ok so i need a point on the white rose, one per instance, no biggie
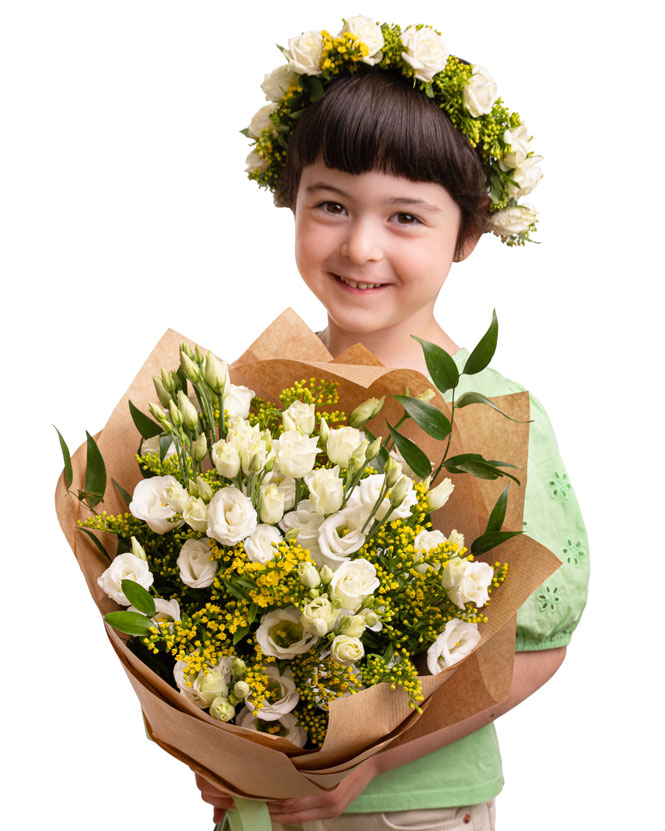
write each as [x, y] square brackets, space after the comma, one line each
[226, 459]
[518, 141]
[319, 616]
[261, 120]
[281, 634]
[302, 415]
[352, 625]
[454, 643]
[150, 504]
[296, 453]
[278, 81]
[369, 33]
[353, 582]
[527, 176]
[466, 581]
[207, 685]
[259, 544]
[195, 513]
[255, 162]
[231, 516]
[288, 727]
[237, 400]
[340, 535]
[341, 444]
[304, 53]
[346, 650]
[512, 220]
[480, 93]
[197, 570]
[222, 709]
[326, 489]
[285, 689]
[425, 51]
[309, 522]
[272, 504]
[125, 567]
[423, 544]
[151, 445]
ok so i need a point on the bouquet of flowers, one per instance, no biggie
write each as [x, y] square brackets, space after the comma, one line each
[292, 556]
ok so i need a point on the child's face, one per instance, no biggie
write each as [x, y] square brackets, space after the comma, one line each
[368, 229]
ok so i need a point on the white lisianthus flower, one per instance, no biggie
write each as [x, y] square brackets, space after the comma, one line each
[353, 581]
[259, 544]
[340, 535]
[341, 444]
[304, 53]
[165, 610]
[438, 496]
[287, 487]
[125, 567]
[284, 687]
[281, 634]
[368, 32]
[326, 489]
[480, 93]
[151, 445]
[308, 522]
[261, 120]
[197, 570]
[296, 453]
[255, 162]
[277, 82]
[209, 684]
[195, 513]
[346, 650]
[518, 140]
[302, 415]
[150, 504]
[367, 492]
[222, 709]
[319, 616]
[527, 176]
[237, 400]
[272, 504]
[423, 544]
[425, 51]
[249, 443]
[512, 220]
[231, 516]
[352, 625]
[308, 575]
[467, 582]
[226, 459]
[288, 727]
[456, 641]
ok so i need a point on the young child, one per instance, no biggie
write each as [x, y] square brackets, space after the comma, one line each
[387, 191]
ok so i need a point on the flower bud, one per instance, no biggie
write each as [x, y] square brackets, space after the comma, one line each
[352, 625]
[199, 448]
[309, 576]
[190, 369]
[371, 618]
[137, 549]
[241, 689]
[255, 463]
[324, 431]
[374, 449]
[269, 465]
[157, 412]
[288, 422]
[392, 470]
[292, 534]
[358, 456]
[189, 415]
[175, 414]
[399, 491]
[222, 709]
[326, 574]
[205, 491]
[426, 396]
[160, 389]
[366, 411]
[167, 381]
[238, 667]
[192, 488]
[215, 373]
[439, 495]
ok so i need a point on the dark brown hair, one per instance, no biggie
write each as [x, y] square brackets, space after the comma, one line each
[375, 120]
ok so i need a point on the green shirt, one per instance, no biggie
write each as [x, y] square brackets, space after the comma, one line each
[469, 771]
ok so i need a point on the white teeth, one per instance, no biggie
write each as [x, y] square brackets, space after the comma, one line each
[362, 286]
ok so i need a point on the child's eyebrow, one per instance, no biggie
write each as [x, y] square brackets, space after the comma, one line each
[395, 200]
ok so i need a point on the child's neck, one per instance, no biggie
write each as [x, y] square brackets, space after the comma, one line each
[393, 346]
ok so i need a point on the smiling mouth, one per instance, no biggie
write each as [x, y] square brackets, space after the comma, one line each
[362, 286]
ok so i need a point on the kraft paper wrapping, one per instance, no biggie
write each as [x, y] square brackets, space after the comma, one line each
[251, 764]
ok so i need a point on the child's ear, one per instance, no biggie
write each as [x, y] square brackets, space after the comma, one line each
[470, 242]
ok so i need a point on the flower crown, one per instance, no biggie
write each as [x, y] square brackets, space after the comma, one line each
[466, 93]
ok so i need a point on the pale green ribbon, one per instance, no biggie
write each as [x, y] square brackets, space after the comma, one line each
[249, 815]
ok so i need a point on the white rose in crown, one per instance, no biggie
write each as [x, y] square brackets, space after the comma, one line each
[197, 570]
[125, 566]
[341, 444]
[281, 634]
[480, 93]
[231, 516]
[518, 140]
[326, 489]
[255, 162]
[261, 120]
[295, 453]
[209, 684]
[237, 400]
[308, 522]
[301, 415]
[288, 727]
[340, 535]
[467, 582]
[287, 692]
[353, 581]
[424, 542]
[368, 32]
[346, 650]
[304, 53]
[276, 83]
[259, 544]
[149, 503]
[527, 176]
[456, 641]
[425, 51]
[512, 220]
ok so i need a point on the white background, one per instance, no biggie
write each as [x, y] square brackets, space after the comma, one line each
[125, 210]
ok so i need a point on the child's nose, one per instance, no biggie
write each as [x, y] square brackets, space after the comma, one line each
[361, 244]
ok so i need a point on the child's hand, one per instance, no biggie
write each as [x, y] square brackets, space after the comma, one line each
[220, 800]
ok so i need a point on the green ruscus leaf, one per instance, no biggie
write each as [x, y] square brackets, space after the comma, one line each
[486, 542]
[427, 417]
[126, 497]
[484, 350]
[469, 398]
[498, 514]
[442, 368]
[146, 426]
[95, 473]
[69, 474]
[411, 453]
[131, 623]
[139, 597]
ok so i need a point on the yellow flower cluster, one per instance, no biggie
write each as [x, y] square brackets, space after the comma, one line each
[341, 52]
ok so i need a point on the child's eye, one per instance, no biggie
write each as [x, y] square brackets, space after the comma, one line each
[331, 207]
[407, 219]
